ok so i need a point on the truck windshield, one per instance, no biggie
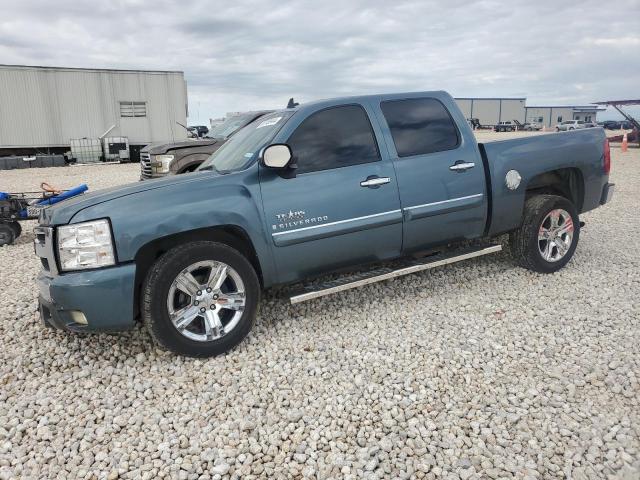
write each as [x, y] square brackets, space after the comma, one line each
[243, 147]
[229, 126]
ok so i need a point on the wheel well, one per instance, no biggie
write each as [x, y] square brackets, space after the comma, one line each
[190, 168]
[230, 235]
[565, 182]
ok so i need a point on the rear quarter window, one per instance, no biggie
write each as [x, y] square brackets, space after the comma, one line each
[420, 126]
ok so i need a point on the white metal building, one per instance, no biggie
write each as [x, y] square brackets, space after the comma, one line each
[44, 107]
[550, 116]
[490, 111]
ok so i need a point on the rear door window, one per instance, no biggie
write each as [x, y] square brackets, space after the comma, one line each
[420, 126]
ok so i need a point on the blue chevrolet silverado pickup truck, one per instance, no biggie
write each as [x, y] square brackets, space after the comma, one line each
[392, 184]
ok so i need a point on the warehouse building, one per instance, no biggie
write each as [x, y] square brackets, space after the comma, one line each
[550, 116]
[47, 108]
[491, 111]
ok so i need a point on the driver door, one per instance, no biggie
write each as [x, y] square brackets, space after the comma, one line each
[342, 206]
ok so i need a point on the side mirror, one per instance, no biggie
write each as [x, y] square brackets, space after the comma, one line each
[277, 156]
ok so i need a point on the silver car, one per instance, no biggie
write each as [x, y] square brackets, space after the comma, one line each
[570, 125]
[533, 126]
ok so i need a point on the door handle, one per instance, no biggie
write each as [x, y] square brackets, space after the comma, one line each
[461, 166]
[373, 182]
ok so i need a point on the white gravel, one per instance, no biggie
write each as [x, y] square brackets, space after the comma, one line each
[479, 370]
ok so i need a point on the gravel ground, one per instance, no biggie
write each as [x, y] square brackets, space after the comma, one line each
[478, 370]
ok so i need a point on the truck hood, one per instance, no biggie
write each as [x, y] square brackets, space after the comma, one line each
[160, 148]
[64, 211]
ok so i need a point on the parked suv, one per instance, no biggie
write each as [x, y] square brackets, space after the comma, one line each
[570, 125]
[157, 161]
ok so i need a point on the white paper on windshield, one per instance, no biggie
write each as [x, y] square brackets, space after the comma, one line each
[269, 122]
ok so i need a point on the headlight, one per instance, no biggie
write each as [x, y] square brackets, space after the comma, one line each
[162, 163]
[85, 245]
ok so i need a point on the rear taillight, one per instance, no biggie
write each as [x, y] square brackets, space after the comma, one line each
[606, 158]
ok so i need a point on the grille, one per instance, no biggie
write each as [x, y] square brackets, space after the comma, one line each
[43, 245]
[145, 165]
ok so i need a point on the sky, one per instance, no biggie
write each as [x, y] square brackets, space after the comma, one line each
[239, 56]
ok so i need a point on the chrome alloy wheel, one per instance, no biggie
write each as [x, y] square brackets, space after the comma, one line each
[206, 300]
[555, 235]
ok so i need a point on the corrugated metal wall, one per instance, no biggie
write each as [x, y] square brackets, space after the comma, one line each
[551, 116]
[512, 109]
[487, 111]
[42, 107]
[491, 111]
[465, 105]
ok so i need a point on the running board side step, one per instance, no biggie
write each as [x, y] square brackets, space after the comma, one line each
[385, 273]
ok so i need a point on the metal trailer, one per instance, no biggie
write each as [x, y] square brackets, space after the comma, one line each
[617, 104]
[16, 207]
[43, 108]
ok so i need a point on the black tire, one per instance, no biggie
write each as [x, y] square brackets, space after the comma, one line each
[17, 229]
[524, 241]
[7, 234]
[156, 290]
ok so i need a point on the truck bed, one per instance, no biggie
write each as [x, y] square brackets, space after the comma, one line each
[579, 151]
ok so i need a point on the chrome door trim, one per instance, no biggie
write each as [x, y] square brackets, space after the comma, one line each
[334, 229]
[338, 222]
[444, 201]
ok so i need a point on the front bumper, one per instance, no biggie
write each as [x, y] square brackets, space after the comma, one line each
[607, 193]
[105, 297]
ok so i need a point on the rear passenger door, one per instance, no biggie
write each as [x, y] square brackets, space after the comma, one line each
[341, 207]
[440, 173]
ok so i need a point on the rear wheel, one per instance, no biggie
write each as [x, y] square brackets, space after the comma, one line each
[7, 234]
[200, 299]
[549, 234]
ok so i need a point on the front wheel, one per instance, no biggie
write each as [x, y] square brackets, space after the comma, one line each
[200, 299]
[548, 236]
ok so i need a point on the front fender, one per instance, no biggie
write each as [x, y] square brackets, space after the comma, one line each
[180, 164]
[211, 200]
